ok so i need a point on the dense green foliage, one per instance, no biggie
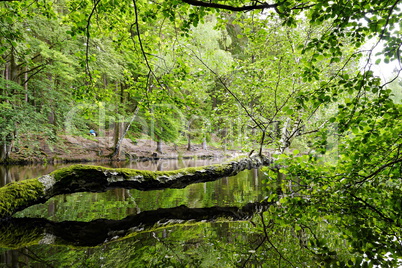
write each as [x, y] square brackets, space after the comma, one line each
[190, 67]
[286, 75]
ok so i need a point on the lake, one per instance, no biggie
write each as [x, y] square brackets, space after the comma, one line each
[151, 248]
[252, 219]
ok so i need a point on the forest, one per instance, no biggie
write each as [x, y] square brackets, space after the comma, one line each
[310, 88]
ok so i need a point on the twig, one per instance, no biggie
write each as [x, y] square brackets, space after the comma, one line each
[88, 36]
[144, 54]
[372, 208]
[258, 124]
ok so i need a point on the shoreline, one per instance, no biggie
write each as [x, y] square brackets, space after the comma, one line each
[76, 149]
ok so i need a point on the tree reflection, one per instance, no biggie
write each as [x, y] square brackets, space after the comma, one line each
[256, 235]
[296, 227]
[19, 232]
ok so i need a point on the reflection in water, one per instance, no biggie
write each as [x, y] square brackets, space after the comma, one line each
[21, 232]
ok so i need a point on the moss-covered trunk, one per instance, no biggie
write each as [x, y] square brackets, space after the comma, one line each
[81, 178]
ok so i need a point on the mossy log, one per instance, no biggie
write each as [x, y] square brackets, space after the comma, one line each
[83, 178]
[22, 232]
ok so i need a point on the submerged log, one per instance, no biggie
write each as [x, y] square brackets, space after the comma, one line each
[82, 178]
[21, 232]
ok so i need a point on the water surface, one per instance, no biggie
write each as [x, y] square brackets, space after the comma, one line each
[248, 220]
[143, 249]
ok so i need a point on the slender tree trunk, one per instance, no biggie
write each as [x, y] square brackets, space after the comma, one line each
[13, 68]
[204, 144]
[5, 148]
[159, 146]
[6, 143]
[3, 151]
[189, 142]
[118, 137]
[118, 142]
[26, 84]
[3, 144]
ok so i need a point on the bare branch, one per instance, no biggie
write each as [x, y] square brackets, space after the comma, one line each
[258, 124]
[142, 46]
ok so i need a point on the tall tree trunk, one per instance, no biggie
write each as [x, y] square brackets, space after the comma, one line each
[13, 68]
[188, 139]
[159, 146]
[26, 84]
[189, 142]
[117, 143]
[5, 148]
[204, 144]
[6, 142]
[118, 137]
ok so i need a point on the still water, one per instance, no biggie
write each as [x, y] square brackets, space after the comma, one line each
[226, 223]
[209, 238]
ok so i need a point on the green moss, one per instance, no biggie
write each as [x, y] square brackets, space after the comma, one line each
[67, 171]
[127, 173]
[19, 195]
[12, 237]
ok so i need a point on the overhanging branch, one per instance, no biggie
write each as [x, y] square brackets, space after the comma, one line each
[257, 5]
[231, 8]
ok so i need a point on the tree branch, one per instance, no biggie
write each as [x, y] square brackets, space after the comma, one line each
[387, 219]
[88, 35]
[379, 170]
[243, 106]
[228, 7]
[256, 6]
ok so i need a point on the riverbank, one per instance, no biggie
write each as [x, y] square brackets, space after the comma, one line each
[76, 149]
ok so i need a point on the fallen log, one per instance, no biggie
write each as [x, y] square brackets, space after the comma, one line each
[22, 232]
[83, 178]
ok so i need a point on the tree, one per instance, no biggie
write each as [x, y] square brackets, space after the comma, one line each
[36, 68]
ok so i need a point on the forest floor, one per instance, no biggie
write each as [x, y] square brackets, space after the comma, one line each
[98, 149]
